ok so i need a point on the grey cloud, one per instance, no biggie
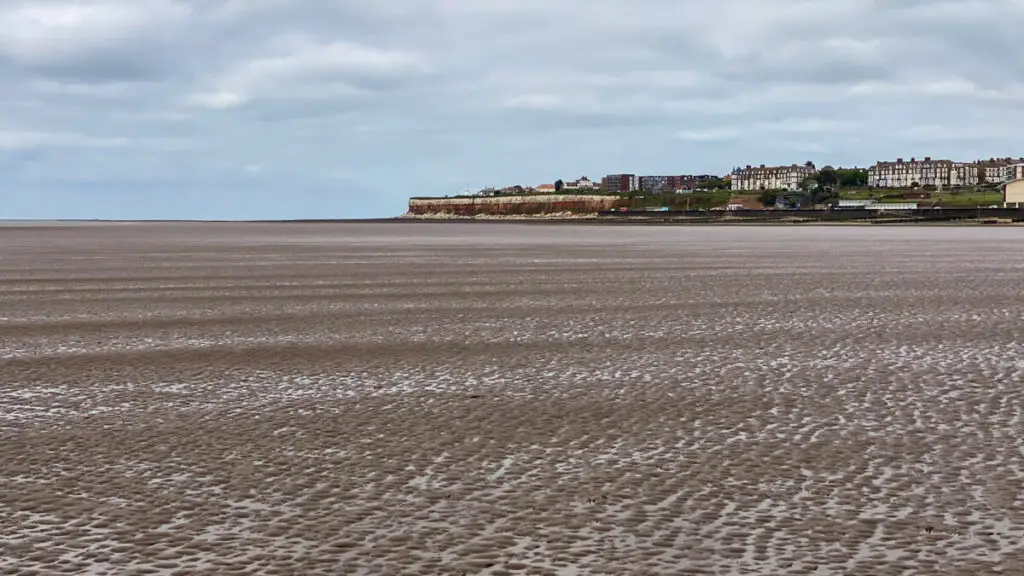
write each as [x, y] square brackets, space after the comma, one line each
[298, 111]
[421, 94]
[91, 41]
[114, 66]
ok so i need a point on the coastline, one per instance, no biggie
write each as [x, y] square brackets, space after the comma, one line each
[761, 218]
[950, 218]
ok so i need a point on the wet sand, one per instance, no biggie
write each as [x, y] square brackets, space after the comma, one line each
[504, 399]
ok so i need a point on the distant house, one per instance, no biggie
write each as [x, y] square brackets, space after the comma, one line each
[672, 184]
[854, 204]
[874, 205]
[583, 183]
[927, 172]
[793, 200]
[771, 177]
[546, 188]
[744, 203]
[1013, 194]
[879, 206]
[619, 183]
[995, 170]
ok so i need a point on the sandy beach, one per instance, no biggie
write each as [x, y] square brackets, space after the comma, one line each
[505, 399]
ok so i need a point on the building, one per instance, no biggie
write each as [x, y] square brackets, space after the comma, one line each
[619, 183]
[927, 172]
[583, 183]
[771, 177]
[672, 184]
[695, 182]
[1013, 194]
[743, 203]
[853, 204]
[1015, 172]
[992, 170]
[654, 184]
[995, 170]
[874, 205]
[887, 206]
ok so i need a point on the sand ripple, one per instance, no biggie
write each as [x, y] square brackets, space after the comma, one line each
[501, 399]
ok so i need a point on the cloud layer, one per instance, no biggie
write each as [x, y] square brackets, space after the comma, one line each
[344, 108]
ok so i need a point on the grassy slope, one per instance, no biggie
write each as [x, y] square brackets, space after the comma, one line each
[707, 200]
[965, 199]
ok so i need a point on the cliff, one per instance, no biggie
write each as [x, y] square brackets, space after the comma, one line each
[513, 205]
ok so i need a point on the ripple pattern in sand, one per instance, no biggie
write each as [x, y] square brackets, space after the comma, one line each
[459, 399]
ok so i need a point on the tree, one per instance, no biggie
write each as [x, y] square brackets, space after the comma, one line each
[827, 177]
[768, 197]
[715, 184]
[823, 195]
[852, 177]
[915, 185]
[559, 185]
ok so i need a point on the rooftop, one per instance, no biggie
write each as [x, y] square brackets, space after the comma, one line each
[999, 162]
[762, 168]
[901, 162]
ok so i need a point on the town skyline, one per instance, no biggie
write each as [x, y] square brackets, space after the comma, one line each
[895, 173]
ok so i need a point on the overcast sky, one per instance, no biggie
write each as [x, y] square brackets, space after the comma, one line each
[344, 108]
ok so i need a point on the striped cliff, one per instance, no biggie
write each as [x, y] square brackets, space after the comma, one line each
[513, 205]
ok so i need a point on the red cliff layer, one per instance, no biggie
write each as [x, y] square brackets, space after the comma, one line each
[513, 205]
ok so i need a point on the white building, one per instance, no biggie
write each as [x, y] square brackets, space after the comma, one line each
[991, 170]
[771, 177]
[854, 204]
[874, 205]
[1013, 194]
[927, 172]
[997, 170]
[885, 207]
[583, 183]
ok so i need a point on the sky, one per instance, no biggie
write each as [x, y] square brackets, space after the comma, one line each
[256, 109]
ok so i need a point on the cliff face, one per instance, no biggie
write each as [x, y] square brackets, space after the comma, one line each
[513, 205]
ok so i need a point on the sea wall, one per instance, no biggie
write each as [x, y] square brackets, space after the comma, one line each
[920, 215]
[513, 205]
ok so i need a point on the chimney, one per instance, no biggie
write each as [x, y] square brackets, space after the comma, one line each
[899, 160]
[912, 159]
[927, 158]
[762, 165]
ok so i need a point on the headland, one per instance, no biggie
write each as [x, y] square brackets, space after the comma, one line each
[738, 209]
